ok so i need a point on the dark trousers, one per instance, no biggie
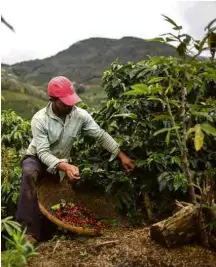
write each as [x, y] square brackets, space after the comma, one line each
[28, 213]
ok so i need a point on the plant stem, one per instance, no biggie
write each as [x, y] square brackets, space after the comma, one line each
[184, 150]
[173, 121]
[182, 144]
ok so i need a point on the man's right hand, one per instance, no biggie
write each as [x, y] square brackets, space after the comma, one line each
[71, 170]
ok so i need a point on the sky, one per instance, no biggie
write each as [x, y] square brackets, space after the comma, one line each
[46, 27]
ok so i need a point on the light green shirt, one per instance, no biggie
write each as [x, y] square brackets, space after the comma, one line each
[53, 139]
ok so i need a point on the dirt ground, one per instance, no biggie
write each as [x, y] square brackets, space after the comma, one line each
[120, 247]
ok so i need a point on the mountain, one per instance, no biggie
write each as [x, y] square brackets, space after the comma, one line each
[24, 84]
[85, 61]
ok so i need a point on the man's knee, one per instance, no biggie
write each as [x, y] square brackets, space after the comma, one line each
[31, 169]
[30, 173]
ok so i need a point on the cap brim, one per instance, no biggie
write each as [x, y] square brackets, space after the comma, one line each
[70, 99]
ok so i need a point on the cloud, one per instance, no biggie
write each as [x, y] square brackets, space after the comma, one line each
[44, 28]
[197, 14]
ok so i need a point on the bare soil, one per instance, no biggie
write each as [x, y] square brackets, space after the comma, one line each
[120, 247]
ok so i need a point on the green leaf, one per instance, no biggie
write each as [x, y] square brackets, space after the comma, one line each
[170, 40]
[176, 160]
[140, 86]
[161, 131]
[187, 39]
[177, 28]
[173, 102]
[8, 228]
[180, 182]
[165, 130]
[154, 98]
[208, 129]
[162, 117]
[197, 47]
[168, 138]
[199, 137]
[181, 49]
[204, 40]
[170, 21]
[191, 130]
[155, 89]
[16, 225]
[130, 115]
[55, 207]
[210, 24]
[138, 89]
[202, 114]
[189, 86]
[140, 163]
[156, 80]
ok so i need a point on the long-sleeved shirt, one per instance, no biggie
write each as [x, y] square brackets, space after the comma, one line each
[53, 139]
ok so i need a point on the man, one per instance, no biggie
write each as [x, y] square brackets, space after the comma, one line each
[54, 129]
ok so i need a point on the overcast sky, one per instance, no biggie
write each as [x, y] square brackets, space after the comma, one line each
[46, 27]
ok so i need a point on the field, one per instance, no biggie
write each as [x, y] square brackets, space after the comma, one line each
[94, 96]
[23, 104]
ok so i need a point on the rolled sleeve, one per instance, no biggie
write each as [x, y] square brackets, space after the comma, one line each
[91, 128]
[43, 146]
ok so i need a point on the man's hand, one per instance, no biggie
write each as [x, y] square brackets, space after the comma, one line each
[71, 170]
[127, 163]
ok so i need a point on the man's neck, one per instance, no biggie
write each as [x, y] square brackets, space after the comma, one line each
[62, 117]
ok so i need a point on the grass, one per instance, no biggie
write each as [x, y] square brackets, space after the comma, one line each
[24, 105]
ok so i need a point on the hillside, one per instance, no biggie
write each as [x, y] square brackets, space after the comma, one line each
[25, 99]
[85, 61]
[24, 105]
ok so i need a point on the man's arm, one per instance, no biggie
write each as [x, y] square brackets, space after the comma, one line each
[91, 128]
[44, 154]
[43, 146]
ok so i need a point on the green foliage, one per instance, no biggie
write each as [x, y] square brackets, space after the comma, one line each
[15, 130]
[9, 225]
[186, 43]
[186, 78]
[10, 178]
[144, 121]
[18, 250]
[15, 138]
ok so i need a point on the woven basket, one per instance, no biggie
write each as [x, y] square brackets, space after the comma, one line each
[50, 192]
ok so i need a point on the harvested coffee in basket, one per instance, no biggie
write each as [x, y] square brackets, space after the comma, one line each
[76, 215]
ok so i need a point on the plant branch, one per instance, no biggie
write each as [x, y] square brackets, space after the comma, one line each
[183, 147]
[173, 121]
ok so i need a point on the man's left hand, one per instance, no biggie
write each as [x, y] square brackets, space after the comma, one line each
[128, 164]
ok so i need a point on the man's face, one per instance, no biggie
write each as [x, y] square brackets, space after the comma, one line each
[61, 108]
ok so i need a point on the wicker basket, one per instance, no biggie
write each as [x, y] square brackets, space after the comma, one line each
[50, 192]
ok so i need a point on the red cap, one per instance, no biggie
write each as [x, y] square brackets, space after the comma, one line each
[62, 88]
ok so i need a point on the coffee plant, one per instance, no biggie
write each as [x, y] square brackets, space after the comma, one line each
[15, 136]
[172, 99]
